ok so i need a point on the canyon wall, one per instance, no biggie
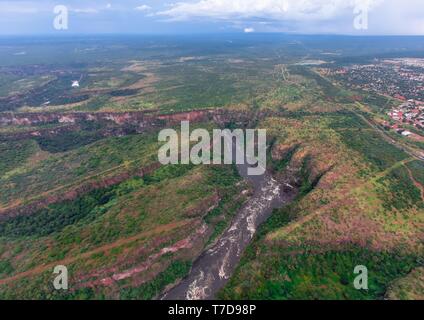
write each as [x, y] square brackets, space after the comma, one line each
[115, 124]
[120, 118]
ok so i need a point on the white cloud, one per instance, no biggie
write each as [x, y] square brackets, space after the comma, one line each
[297, 10]
[143, 7]
[249, 30]
[85, 10]
[399, 17]
[20, 8]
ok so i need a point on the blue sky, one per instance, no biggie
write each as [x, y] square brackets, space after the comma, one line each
[386, 17]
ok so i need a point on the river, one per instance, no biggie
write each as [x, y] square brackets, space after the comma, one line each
[214, 267]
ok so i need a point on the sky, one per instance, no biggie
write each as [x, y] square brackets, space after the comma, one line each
[356, 17]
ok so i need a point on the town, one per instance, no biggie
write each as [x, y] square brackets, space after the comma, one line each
[410, 113]
[401, 79]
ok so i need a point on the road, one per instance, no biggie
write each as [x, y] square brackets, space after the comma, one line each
[410, 151]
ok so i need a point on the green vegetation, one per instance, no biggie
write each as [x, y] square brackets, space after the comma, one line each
[399, 192]
[113, 214]
[58, 216]
[417, 170]
[5, 268]
[67, 141]
[329, 91]
[148, 291]
[92, 205]
[87, 133]
[410, 287]
[365, 140]
[95, 104]
[272, 272]
[14, 154]
[318, 275]
[64, 170]
[280, 165]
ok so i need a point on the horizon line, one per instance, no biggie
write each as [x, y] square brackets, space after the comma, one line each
[202, 33]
